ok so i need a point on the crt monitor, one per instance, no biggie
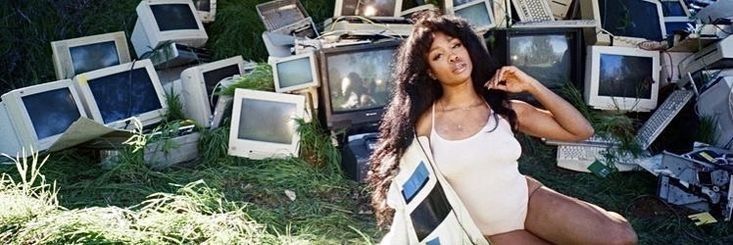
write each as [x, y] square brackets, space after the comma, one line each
[478, 13]
[201, 83]
[356, 83]
[553, 56]
[264, 124]
[114, 95]
[368, 8]
[206, 10]
[295, 72]
[38, 115]
[83, 54]
[622, 78]
[633, 18]
[162, 21]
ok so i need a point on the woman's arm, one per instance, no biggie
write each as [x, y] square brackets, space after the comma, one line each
[561, 121]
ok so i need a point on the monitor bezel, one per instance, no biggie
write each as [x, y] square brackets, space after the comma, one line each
[155, 36]
[196, 99]
[353, 118]
[489, 10]
[502, 47]
[340, 4]
[598, 37]
[62, 63]
[274, 61]
[258, 150]
[22, 120]
[618, 103]
[90, 104]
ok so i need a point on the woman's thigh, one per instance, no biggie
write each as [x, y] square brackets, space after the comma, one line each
[565, 220]
[516, 237]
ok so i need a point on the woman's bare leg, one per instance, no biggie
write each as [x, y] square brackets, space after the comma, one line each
[561, 219]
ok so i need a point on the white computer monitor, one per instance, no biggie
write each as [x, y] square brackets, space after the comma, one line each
[630, 21]
[263, 124]
[295, 72]
[162, 21]
[38, 115]
[206, 10]
[83, 54]
[368, 8]
[478, 13]
[200, 83]
[114, 95]
[621, 78]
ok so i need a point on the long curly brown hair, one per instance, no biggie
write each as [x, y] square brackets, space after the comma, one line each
[415, 92]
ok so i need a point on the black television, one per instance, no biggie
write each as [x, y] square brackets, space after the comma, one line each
[553, 56]
[356, 84]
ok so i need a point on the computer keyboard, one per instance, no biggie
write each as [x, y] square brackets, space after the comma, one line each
[593, 140]
[662, 117]
[579, 157]
[533, 10]
[556, 24]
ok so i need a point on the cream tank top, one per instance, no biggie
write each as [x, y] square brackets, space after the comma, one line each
[484, 172]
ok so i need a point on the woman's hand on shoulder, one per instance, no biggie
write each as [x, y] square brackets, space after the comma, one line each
[511, 79]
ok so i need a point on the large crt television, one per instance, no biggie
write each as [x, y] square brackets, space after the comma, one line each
[356, 83]
[553, 56]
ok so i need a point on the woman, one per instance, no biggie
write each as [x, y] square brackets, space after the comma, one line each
[450, 90]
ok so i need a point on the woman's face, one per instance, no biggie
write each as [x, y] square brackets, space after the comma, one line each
[448, 60]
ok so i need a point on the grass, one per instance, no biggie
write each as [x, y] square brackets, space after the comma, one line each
[221, 199]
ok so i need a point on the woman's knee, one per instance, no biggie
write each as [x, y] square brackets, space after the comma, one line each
[620, 230]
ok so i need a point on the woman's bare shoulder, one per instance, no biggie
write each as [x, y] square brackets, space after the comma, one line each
[424, 124]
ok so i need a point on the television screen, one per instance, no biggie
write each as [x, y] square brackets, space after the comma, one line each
[51, 112]
[171, 17]
[477, 15]
[213, 77]
[360, 80]
[631, 18]
[368, 7]
[268, 121]
[673, 9]
[123, 95]
[294, 72]
[547, 58]
[94, 56]
[625, 76]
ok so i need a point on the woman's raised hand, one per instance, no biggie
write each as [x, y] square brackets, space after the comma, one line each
[511, 79]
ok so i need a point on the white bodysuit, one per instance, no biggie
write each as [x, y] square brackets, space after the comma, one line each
[484, 172]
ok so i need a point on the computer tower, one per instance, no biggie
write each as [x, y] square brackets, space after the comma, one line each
[355, 155]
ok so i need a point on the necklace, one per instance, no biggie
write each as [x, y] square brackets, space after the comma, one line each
[458, 125]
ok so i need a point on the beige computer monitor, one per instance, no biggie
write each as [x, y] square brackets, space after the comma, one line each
[590, 9]
[79, 55]
[153, 27]
[200, 82]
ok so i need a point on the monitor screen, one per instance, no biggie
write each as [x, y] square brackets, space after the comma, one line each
[625, 76]
[268, 121]
[294, 72]
[368, 7]
[547, 58]
[51, 112]
[94, 56]
[631, 18]
[673, 9]
[123, 95]
[457, 3]
[171, 17]
[360, 80]
[212, 77]
[203, 5]
[477, 15]
[677, 26]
